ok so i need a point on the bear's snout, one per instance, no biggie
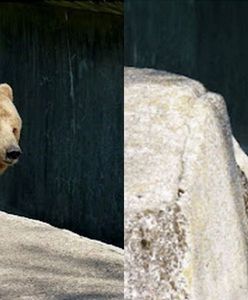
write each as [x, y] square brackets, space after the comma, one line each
[13, 153]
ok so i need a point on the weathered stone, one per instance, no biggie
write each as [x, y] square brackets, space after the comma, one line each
[242, 163]
[41, 262]
[185, 221]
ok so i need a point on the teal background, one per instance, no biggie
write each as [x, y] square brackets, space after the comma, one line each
[66, 70]
[205, 40]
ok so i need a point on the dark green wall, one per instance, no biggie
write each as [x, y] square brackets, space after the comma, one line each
[206, 40]
[66, 69]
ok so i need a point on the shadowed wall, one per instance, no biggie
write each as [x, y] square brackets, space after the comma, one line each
[66, 69]
[205, 40]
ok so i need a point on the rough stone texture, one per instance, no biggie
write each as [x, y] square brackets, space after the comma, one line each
[185, 221]
[242, 163]
[38, 261]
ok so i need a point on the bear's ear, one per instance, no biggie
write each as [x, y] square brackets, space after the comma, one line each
[6, 90]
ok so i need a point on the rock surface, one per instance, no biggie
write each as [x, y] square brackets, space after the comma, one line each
[185, 221]
[38, 261]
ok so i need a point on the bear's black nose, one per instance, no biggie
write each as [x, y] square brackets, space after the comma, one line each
[13, 152]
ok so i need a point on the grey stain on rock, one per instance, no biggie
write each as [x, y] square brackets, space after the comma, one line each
[145, 244]
[180, 192]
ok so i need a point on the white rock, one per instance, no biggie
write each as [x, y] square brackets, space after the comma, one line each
[185, 221]
[38, 261]
[242, 162]
[241, 157]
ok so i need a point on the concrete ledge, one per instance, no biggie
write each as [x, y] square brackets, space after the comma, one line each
[39, 261]
[185, 220]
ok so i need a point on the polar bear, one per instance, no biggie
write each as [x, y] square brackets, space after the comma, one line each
[10, 129]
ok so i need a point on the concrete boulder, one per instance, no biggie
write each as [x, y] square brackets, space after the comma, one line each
[41, 262]
[185, 217]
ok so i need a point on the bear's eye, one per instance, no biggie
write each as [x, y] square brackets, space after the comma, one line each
[15, 130]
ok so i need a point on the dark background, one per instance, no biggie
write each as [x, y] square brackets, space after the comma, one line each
[205, 40]
[66, 69]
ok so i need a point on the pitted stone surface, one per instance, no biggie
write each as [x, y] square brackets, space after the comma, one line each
[157, 244]
[185, 221]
